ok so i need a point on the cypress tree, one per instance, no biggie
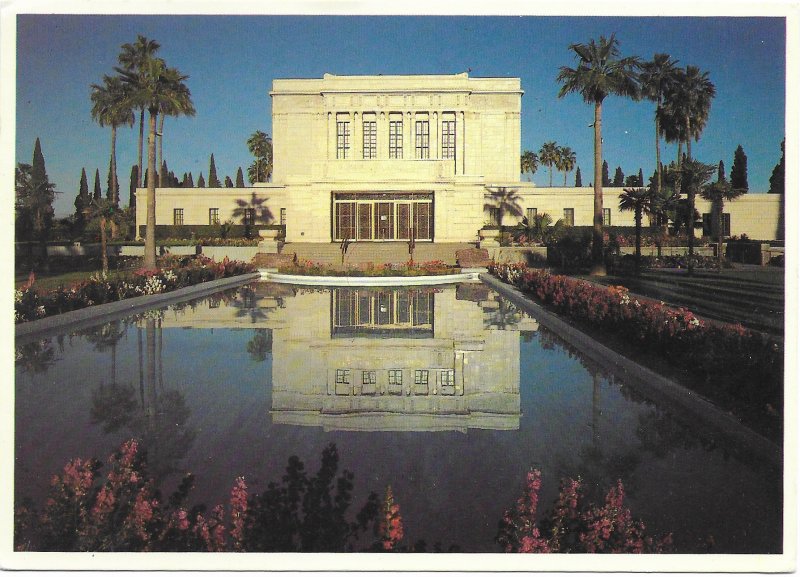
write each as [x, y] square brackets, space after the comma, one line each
[641, 178]
[578, 182]
[98, 193]
[739, 170]
[777, 181]
[201, 183]
[38, 170]
[165, 173]
[132, 187]
[632, 181]
[228, 182]
[82, 200]
[721, 172]
[190, 181]
[239, 178]
[619, 177]
[213, 180]
[606, 181]
[110, 192]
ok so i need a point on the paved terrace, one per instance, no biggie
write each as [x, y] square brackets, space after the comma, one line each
[374, 252]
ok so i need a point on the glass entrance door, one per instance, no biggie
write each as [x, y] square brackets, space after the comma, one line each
[364, 221]
[384, 220]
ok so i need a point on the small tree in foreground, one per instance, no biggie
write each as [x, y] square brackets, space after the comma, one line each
[638, 201]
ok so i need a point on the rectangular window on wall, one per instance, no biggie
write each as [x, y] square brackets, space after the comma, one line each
[421, 139]
[249, 216]
[448, 139]
[370, 139]
[177, 216]
[342, 139]
[569, 216]
[283, 217]
[213, 216]
[396, 138]
[606, 217]
[530, 214]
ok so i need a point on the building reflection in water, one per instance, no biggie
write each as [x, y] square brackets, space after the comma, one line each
[384, 359]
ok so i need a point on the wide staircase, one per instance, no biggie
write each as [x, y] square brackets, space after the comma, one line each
[376, 252]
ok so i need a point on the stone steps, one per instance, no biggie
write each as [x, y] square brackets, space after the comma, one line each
[377, 253]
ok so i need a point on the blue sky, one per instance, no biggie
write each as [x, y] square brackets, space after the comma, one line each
[231, 61]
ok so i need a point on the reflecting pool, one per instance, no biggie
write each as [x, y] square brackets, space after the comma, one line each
[448, 394]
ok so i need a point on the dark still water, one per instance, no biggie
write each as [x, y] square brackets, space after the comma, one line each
[449, 395]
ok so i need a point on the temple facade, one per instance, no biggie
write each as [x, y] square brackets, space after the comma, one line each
[388, 158]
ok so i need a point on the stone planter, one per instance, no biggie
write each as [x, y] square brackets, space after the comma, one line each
[489, 237]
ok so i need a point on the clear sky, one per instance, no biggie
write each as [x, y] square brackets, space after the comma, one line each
[232, 60]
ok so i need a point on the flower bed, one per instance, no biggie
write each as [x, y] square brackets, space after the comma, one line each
[173, 273]
[410, 268]
[726, 360]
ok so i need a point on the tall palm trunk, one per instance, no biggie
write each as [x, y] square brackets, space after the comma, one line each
[141, 145]
[598, 264]
[114, 183]
[658, 149]
[690, 200]
[720, 232]
[161, 151]
[103, 246]
[637, 216]
[150, 233]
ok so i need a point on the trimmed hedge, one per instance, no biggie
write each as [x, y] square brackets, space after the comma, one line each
[185, 231]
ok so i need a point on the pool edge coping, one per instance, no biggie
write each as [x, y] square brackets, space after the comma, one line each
[96, 314]
[308, 280]
[648, 379]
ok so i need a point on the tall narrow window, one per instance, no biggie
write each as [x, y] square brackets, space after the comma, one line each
[569, 216]
[342, 139]
[606, 217]
[449, 139]
[530, 214]
[395, 139]
[283, 217]
[249, 216]
[421, 139]
[370, 139]
[177, 216]
[213, 216]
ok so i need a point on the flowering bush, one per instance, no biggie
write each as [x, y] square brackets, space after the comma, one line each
[743, 365]
[410, 268]
[124, 512]
[573, 525]
[173, 273]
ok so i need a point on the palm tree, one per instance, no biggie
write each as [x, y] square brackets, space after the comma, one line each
[718, 193]
[566, 161]
[104, 210]
[504, 201]
[687, 103]
[638, 201]
[155, 87]
[600, 72]
[181, 106]
[693, 177]
[656, 77]
[529, 162]
[548, 155]
[260, 146]
[111, 107]
[134, 58]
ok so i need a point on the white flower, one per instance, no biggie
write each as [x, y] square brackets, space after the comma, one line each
[153, 285]
[40, 311]
[695, 322]
[169, 275]
[17, 296]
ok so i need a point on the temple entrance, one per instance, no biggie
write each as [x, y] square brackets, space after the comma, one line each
[382, 216]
